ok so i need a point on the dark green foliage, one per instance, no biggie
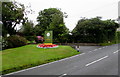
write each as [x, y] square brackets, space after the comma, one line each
[12, 14]
[28, 30]
[30, 38]
[15, 41]
[118, 36]
[116, 40]
[52, 19]
[4, 43]
[94, 30]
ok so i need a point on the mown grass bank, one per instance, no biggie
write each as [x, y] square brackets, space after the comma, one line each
[15, 59]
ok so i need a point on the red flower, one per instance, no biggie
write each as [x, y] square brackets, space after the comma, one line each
[47, 46]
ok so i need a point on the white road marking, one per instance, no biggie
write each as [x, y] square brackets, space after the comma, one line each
[43, 64]
[82, 54]
[62, 75]
[90, 51]
[73, 56]
[116, 51]
[103, 47]
[95, 50]
[96, 61]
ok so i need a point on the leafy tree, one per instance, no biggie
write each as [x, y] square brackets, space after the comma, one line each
[52, 19]
[94, 30]
[12, 14]
[28, 30]
[110, 26]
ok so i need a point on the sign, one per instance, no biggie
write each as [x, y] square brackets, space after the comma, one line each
[48, 37]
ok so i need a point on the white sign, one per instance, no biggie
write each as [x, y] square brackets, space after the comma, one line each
[48, 34]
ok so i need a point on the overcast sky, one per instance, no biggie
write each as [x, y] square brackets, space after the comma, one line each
[75, 9]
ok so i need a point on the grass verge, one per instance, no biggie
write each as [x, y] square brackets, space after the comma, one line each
[15, 59]
[111, 43]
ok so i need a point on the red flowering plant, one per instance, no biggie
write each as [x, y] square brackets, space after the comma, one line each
[47, 46]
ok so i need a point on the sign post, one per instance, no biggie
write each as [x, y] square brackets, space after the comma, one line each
[48, 37]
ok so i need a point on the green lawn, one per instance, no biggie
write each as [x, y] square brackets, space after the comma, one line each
[28, 56]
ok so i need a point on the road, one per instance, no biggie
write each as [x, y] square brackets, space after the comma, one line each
[94, 60]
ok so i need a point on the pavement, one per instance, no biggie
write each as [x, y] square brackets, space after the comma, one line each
[94, 60]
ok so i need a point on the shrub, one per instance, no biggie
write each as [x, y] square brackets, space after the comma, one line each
[30, 38]
[39, 39]
[4, 43]
[118, 36]
[16, 41]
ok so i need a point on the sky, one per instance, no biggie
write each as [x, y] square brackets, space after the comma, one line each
[75, 9]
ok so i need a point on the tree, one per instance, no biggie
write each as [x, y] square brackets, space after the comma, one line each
[28, 30]
[12, 14]
[52, 19]
[94, 30]
[110, 26]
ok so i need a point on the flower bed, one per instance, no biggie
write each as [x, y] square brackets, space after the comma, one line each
[47, 46]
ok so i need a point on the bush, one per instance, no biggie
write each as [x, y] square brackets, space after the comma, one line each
[118, 36]
[16, 41]
[39, 40]
[4, 43]
[30, 38]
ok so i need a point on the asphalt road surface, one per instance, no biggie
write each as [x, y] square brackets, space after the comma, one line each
[94, 60]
